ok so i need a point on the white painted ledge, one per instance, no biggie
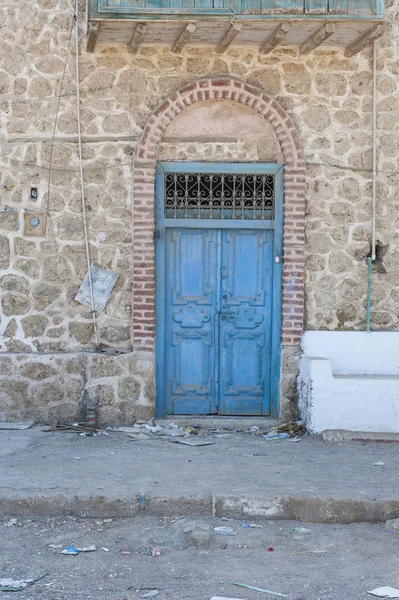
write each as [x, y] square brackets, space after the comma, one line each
[350, 380]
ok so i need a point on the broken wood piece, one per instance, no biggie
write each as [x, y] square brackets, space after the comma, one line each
[232, 31]
[184, 37]
[187, 442]
[364, 40]
[92, 36]
[317, 38]
[275, 38]
[137, 38]
[17, 426]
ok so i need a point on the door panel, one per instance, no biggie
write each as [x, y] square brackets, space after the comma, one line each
[245, 322]
[191, 315]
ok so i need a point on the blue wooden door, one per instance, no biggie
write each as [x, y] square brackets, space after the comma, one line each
[245, 322]
[191, 321]
[218, 271]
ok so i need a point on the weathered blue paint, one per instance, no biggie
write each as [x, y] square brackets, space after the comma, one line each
[245, 9]
[218, 305]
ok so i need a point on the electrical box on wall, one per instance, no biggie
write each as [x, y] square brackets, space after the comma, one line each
[34, 224]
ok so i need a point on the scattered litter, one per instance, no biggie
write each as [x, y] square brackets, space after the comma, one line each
[392, 524]
[151, 594]
[91, 548]
[129, 429]
[186, 442]
[302, 529]
[20, 425]
[274, 435]
[126, 552]
[156, 553]
[224, 531]
[12, 522]
[223, 598]
[138, 436]
[270, 549]
[70, 550]
[289, 430]
[16, 585]
[308, 552]
[55, 546]
[108, 520]
[379, 463]
[254, 429]
[385, 592]
[105, 549]
[79, 428]
[244, 525]
[226, 519]
[256, 589]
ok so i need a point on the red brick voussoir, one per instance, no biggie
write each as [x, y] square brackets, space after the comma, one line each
[266, 107]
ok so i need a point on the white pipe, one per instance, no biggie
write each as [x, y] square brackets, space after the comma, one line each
[82, 191]
[374, 174]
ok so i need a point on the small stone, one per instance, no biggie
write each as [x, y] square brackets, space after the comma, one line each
[116, 333]
[56, 268]
[128, 389]
[37, 371]
[23, 247]
[4, 252]
[392, 524]
[11, 329]
[15, 304]
[30, 267]
[55, 332]
[317, 117]
[5, 365]
[9, 219]
[116, 123]
[267, 79]
[34, 325]
[201, 536]
[52, 66]
[105, 367]
[199, 66]
[82, 332]
[14, 283]
[297, 79]
[45, 294]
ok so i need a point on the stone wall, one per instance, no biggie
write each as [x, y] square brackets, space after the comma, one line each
[328, 97]
[54, 387]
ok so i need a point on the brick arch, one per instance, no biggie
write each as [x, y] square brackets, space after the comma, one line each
[222, 88]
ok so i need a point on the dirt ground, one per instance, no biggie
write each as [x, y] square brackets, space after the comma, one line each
[308, 561]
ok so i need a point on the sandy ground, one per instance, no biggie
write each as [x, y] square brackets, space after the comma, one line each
[316, 561]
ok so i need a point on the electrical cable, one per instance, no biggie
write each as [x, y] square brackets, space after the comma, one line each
[82, 190]
[56, 117]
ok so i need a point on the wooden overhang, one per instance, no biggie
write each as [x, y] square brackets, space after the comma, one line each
[350, 25]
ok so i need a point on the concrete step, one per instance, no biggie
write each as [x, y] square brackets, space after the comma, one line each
[223, 423]
[340, 435]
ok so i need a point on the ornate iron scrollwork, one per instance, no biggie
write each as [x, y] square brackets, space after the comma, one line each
[219, 196]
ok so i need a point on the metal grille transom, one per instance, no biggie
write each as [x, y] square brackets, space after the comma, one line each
[219, 196]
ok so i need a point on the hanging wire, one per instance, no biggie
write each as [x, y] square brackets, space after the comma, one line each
[82, 190]
[56, 115]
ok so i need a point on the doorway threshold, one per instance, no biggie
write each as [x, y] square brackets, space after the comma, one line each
[218, 422]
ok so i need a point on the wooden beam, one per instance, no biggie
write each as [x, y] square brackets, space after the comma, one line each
[92, 36]
[184, 37]
[275, 38]
[137, 38]
[364, 40]
[317, 38]
[232, 31]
